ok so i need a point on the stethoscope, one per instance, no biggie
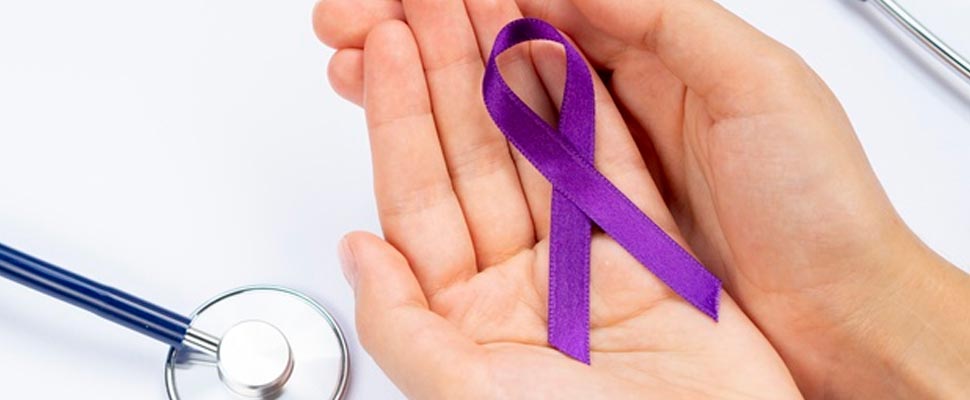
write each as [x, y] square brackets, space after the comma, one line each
[932, 42]
[255, 342]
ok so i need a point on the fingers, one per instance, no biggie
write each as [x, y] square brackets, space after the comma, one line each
[601, 49]
[419, 211]
[488, 17]
[396, 327]
[344, 24]
[346, 74]
[478, 158]
[716, 54]
[639, 81]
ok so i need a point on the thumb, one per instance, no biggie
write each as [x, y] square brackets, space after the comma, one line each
[424, 354]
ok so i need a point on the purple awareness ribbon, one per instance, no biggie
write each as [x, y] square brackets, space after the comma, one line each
[582, 196]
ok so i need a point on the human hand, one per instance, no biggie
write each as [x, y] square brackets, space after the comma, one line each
[764, 175]
[453, 305]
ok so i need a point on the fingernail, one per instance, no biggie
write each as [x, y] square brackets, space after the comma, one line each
[347, 262]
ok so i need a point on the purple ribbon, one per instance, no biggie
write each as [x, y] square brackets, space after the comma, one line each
[583, 196]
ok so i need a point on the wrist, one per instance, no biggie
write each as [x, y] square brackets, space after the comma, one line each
[907, 334]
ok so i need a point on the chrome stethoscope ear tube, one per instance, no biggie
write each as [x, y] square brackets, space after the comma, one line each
[273, 343]
[950, 56]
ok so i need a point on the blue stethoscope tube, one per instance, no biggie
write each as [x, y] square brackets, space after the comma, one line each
[255, 346]
[110, 303]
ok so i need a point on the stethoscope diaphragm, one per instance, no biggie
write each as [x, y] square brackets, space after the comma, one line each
[276, 344]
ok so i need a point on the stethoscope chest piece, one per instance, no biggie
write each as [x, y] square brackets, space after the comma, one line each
[275, 344]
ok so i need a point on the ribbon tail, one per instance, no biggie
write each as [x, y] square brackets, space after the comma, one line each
[569, 246]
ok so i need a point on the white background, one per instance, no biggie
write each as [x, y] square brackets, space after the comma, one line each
[180, 148]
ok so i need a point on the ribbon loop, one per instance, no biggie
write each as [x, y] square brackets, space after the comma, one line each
[583, 196]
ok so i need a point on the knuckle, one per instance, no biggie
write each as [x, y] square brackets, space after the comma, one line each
[417, 200]
[785, 65]
[516, 57]
[479, 159]
[325, 13]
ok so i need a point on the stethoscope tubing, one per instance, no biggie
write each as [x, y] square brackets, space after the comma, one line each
[932, 42]
[107, 302]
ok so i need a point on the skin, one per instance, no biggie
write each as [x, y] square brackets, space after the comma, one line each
[724, 137]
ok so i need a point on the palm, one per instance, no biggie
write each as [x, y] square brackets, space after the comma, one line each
[755, 223]
[644, 339]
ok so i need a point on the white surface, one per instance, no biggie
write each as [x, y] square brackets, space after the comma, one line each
[143, 142]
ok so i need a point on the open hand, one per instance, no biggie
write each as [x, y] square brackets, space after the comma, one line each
[762, 174]
[458, 291]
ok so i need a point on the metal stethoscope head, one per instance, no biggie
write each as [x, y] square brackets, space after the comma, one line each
[255, 342]
[946, 53]
[275, 343]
